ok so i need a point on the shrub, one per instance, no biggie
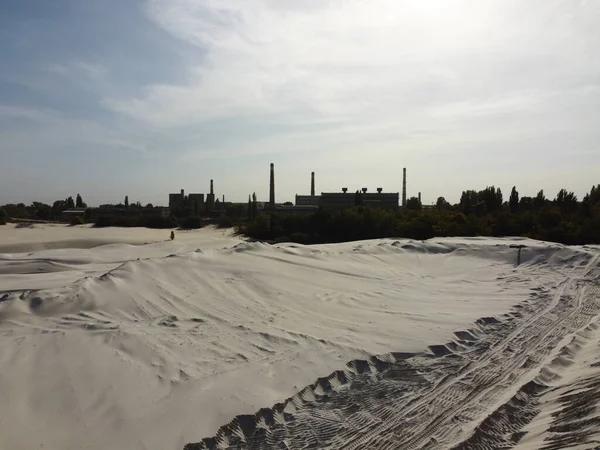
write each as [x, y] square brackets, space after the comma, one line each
[3, 215]
[190, 223]
[77, 221]
[225, 222]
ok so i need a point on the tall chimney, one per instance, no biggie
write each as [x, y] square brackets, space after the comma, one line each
[419, 198]
[212, 191]
[272, 187]
[223, 198]
[182, 192]
[312, 184]
[404, 188]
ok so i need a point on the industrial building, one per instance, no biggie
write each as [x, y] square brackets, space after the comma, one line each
[194, 204]
[341, 200]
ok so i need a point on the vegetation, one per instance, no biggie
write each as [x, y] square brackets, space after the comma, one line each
[136, 220]
[77, 221]
[3, 216]
[564, 219]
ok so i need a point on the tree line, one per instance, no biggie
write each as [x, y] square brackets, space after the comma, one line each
[43, 211]
[564, 219]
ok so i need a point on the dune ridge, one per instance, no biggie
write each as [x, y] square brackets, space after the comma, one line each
[163, 344]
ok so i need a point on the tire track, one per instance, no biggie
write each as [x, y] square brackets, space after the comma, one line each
[477, 391]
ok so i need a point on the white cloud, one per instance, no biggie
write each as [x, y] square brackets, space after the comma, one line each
[357, 60]
[361, 87]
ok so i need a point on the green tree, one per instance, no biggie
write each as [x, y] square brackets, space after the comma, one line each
[249, 207]
[254, 206]
[539, 201]
[70, 203]
[513, 202]
[79, 202]
[413, 203]
[566, 201]
[3, 215]
[41, 210]
[442, 203]
[492, 197]
[468, 202]
[126, 201]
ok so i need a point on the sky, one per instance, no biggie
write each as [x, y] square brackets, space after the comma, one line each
[109, 98]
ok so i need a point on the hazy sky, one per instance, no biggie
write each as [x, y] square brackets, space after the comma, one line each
[113, 97]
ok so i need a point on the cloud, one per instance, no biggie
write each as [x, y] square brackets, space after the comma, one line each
[362, 86]
[29, 114]
[365, 61]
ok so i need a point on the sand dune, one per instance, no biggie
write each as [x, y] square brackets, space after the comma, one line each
[155, 346]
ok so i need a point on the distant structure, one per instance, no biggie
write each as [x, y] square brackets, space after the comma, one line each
[342, 200]
[272, 188]
[192, 204]
[309, 200]
[420, 199]
[196, 204]
[176, 201]
[210, 198]
[404, 187]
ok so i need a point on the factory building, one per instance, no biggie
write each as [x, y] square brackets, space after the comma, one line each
[331, 201]
[193, 204]
[196, 204]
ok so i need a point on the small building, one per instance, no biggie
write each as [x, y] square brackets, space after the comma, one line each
[68, 214]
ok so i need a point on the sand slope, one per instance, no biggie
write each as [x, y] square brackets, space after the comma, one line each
[158, 345]
[529, 378]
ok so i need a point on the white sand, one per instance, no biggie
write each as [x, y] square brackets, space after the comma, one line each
[154, 346]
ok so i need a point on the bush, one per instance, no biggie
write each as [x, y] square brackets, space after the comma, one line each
[3, 215]
[225, 222]
[77, 221]
[191, 223]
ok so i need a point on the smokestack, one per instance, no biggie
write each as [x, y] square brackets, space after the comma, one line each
[379, 190]
[223, 198]
[419, 197]
[404, 188]
[182, 192]
[364, 190]
[212, 191]
[272, 187]
[312, 184]
[344, 190]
